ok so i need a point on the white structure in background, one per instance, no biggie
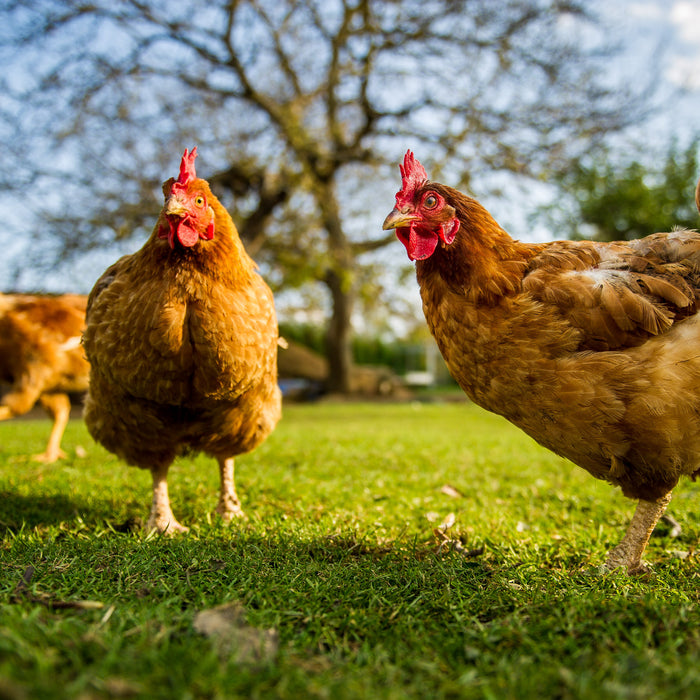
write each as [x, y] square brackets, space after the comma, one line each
[428, 376]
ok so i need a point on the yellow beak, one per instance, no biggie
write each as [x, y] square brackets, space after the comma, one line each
[398, 219]
[174, 206]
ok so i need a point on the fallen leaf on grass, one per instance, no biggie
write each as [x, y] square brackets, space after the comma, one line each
[680, 553]
[225, 625]
[448, 522]
[457, 546]
[447, 543]
[451, 491]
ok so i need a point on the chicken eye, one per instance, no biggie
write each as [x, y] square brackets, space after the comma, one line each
[199, 201]
[430, 202]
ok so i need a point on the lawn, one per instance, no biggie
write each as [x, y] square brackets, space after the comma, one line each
[390, 551]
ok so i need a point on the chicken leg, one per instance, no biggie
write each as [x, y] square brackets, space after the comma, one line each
[58, 407]
[161, 518]
[629, 552]
[229, 506]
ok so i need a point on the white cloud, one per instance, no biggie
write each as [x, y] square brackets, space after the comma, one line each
[684, 68]
[685, 15]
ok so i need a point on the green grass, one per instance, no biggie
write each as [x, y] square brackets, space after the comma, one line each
[339, 557]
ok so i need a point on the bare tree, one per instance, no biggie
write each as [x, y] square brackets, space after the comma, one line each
[299, 106]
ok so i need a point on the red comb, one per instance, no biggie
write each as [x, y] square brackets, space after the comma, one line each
[187, 171]
[413, 173]
[413, 176]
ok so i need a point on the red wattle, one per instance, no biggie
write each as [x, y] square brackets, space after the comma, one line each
[420, 244]
[187, 235]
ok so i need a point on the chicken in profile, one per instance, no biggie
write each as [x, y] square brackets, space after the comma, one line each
[41, 359]
[182, 340]
[590, 348]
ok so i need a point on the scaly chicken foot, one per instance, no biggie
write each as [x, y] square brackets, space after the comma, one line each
[229, 506]
[629, 552]
[161, 518]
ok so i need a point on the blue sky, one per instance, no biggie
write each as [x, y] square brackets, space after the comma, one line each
[685, 18]
[642, 25]
[675, 24]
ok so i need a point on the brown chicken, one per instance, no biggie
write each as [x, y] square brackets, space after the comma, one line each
[41, 359]
[590, 348]
[182, 341]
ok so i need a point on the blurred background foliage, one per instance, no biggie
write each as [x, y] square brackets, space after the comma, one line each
[616, 198]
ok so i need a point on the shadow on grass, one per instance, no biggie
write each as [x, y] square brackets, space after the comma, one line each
[20, 511]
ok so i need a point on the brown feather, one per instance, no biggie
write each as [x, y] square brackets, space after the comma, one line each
[674, 290]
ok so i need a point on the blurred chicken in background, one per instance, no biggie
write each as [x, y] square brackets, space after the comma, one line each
[41, 358]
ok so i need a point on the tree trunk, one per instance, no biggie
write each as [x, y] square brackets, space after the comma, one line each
[339, 280]
[339, 334]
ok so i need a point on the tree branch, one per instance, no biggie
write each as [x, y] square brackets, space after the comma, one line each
[360, 247]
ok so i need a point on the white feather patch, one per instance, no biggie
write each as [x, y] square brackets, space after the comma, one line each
[71, 344]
